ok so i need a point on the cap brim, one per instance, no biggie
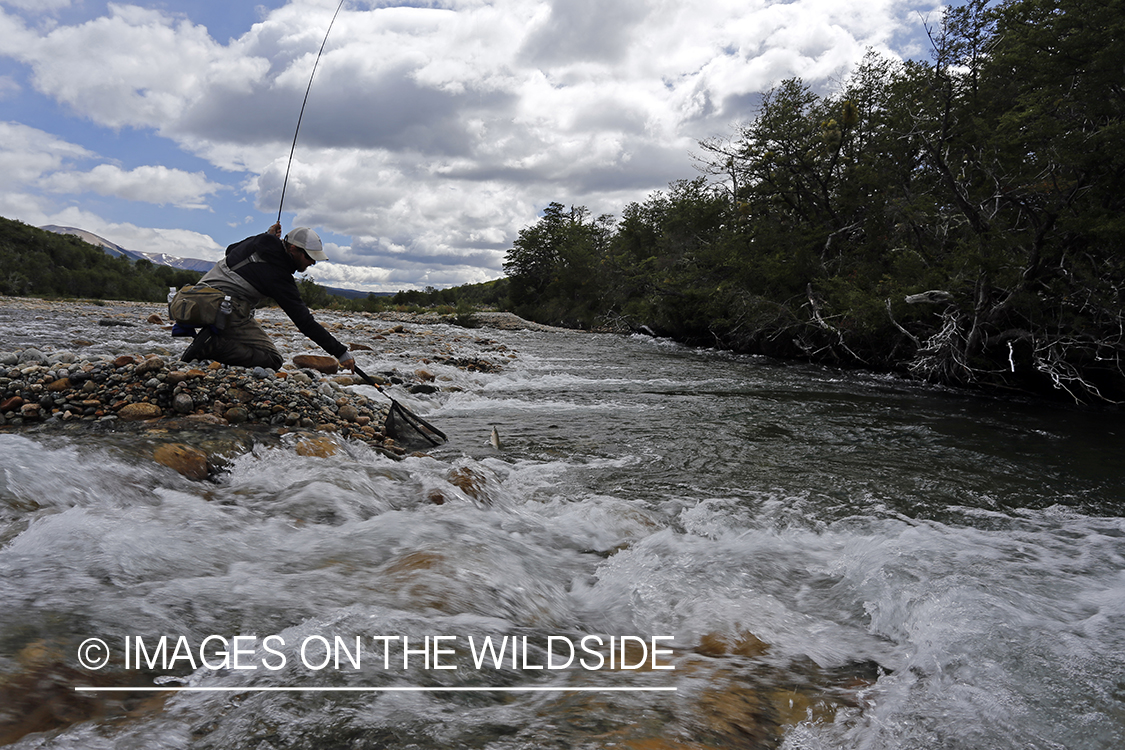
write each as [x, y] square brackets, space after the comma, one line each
[317, 255]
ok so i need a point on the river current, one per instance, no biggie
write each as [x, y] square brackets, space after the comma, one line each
[800, 557]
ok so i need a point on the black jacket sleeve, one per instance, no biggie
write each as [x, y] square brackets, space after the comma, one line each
[288, 296]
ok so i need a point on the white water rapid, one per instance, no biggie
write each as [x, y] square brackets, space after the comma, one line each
[822, 560]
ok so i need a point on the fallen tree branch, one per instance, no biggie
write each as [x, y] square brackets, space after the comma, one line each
[911, 336]
[819, 318]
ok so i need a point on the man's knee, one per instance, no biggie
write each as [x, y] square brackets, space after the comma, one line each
[252, 356]
[244, 354]
[271, 359]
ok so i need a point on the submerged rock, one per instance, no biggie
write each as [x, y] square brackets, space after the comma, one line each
[320, 446]
[39, 695]
[140, 411]
[191, 462]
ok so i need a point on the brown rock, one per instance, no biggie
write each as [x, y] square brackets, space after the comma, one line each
[353, 346]
[124, 360]
[349, 413]
[191, 462]
[138, 411]
[417, 561]
[37, 696]
[742, 644]
[11, 404]
[737, 715]
[327, 365]
[237, 394]
[713, 644]
[236, 414]
[151, 364]
[424, 375]
[57, 386]
[155, 319]
[177, 376]
[29, 411]
[209, 419]
[472, 483]
[317, 445]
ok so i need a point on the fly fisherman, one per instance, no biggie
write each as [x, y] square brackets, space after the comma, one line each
[258, 267]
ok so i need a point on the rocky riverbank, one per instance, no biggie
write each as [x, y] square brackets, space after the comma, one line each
[117, 369]
[40, 390]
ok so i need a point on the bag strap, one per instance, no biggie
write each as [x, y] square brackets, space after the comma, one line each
[253, 257]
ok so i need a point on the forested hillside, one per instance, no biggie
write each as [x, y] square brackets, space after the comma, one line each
[961, 219]
[45, 264]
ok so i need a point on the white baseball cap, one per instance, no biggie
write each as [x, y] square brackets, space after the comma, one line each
[307, 240]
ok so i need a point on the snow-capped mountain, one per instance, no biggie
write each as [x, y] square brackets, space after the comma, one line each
[160, 259]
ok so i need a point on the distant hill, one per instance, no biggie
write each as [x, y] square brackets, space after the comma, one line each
[354, 293]
[42, 263]
[93, 239]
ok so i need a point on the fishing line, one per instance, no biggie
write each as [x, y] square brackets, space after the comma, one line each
[302, 114]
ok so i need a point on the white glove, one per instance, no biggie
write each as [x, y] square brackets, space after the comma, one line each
[346, 360]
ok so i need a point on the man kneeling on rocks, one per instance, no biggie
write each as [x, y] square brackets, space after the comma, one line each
[258, 267]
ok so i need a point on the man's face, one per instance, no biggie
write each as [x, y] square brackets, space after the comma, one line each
[300, 257]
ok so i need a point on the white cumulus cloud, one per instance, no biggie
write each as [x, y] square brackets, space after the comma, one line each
[151, 184]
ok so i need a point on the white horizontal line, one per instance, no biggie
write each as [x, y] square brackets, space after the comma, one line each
[286, 689]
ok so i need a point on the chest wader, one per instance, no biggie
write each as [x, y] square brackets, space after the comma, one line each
[214, 310]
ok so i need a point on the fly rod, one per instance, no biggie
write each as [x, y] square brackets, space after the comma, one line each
[301, 116]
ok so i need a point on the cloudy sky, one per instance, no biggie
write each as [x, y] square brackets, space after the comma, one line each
[435, 129]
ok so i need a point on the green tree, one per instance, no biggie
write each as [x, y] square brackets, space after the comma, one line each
[554, 265]
[49, 264]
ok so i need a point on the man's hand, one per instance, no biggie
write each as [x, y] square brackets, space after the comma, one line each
[347, 361]
[275, 230]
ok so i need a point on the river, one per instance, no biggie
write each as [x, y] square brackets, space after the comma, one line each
[796, 557]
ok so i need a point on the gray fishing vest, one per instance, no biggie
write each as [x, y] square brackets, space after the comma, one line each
[224, 277]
